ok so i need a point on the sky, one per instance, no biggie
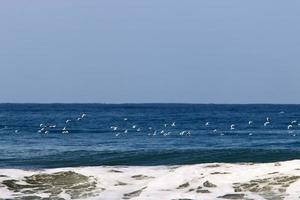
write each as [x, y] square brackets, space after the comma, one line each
[157, 51]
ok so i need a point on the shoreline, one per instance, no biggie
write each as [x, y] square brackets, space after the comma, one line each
[278, 180]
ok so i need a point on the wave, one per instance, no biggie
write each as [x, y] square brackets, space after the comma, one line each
[202, 181]
[151, 157]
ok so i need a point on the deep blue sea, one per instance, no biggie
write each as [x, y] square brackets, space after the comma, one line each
[145, 134]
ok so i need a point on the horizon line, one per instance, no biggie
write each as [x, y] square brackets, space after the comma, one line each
[145, 103]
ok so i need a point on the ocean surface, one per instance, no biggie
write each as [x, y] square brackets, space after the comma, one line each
[35, 136]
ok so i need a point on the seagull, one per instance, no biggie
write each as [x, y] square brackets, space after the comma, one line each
[268, 119]
[182, 133]
[250, 122]
[68, 120]
[294, 122]
[41, 125]
[207, 124]
[165, 125]
[289, 127]
[125, 119]
[154, 133]
[52, 126]
[65, 132]
[162, 131]
[83, 115]
[46, 132]
[138, 130]
[150, 128]
[266, 123]
[16, 131]
[215, 130]
[282, 112]
[173, 124]
[250, 134]
[79, 118]
[232, 127]
[126, 131]
[134, 126]
[168, 133]
[64, 129]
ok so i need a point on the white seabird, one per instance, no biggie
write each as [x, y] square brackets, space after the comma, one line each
[232, 127]
[114, 128]
[266, 123]
[182, 133]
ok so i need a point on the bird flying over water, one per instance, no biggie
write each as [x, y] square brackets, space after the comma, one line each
[266, 123]
[232, 127]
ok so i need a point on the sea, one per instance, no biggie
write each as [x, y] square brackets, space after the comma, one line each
[38, 137]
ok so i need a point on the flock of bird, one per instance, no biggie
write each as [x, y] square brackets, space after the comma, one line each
[165, 132]
[45, 128]
[165, 129]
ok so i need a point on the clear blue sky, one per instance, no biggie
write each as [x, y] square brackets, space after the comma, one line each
[107, 51]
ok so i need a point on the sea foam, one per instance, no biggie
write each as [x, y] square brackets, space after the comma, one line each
[202, 181]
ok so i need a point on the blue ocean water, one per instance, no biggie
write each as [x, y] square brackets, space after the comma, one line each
[100, 137]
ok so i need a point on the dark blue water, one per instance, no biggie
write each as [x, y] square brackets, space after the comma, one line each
[92, 142]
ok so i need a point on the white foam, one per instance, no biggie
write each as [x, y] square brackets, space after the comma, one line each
[163, 182]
